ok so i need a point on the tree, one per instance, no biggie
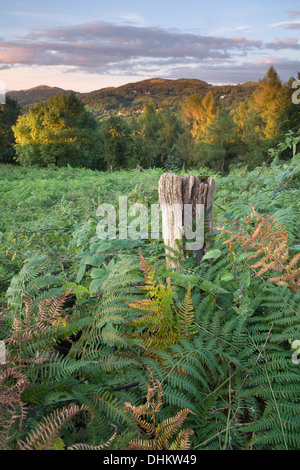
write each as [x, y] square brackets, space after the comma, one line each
[141, 151]
[168, 134]
[9, 113]
[60, 131]
[219, 137]
[150, 122]
[264, 108]
[290, 117]
[116, 143]
[267, 100]
[266, 117]
[198, 113]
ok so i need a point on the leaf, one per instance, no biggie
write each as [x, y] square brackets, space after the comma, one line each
[81, 273]
[96, 273]
[212, 254]
[100, 247]
[95, 284]
[227, 277]
[97, 260]
[208, 286]
[245, 279]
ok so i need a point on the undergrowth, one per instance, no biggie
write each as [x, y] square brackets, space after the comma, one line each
[106, 348]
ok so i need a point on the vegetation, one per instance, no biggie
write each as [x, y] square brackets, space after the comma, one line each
[99, 333]
[130, 99]
[9, 113]
[202, 130]
[106, 348]
[57, 132]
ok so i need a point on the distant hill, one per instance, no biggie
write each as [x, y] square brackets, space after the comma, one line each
[132, 97]
[28, 97]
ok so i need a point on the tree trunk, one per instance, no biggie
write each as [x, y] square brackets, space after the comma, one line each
[175, 194]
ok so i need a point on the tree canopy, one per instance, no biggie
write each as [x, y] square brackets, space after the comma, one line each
[204, 132]
[9, 113]
[60, 131]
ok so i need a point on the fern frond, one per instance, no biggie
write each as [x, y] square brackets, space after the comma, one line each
[49, 429]
[269, 240]
[99, 447]
[159, 434]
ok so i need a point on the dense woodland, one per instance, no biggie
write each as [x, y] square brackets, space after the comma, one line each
[203, 132]
[106, 348]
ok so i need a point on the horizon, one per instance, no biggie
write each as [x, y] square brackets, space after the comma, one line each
[129, 83]
[98, 45]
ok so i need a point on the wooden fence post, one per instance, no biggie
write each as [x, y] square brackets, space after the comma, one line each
[174, 193]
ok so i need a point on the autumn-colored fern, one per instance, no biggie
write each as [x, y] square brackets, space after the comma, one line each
[268, 242]
[12, 409]
[99, 447]
[38, 326]
[163, 323]
[46, 435]
[158, 434]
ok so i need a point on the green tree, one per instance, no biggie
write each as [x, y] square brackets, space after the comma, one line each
[116, 143]
[266, 117]
[264, 110]
[9, 113]
[141, 151]
[150, 122]
[167, 135]
[60, 131]
[290, 116]
[217, 146]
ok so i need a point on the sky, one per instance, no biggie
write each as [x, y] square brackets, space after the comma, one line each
[92, 44]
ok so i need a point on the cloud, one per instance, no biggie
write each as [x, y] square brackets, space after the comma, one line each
[287, 24]
[293, 25]
[132, 19]
[231, 29]
[233, 72]
[106, 48]
[290, 43]
[99, 44]
[293, 13]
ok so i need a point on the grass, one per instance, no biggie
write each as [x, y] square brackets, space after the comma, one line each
[40, 208]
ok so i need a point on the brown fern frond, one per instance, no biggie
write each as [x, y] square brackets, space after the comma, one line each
[159, 434]
[43, 438]
[57, 305]
[12, 409]
[169, 426]
[140, 444]
[32, 325]
[12, 392]
[28, 301]
[147, 270]
[43, 310]
[269, 239]
[100, 447]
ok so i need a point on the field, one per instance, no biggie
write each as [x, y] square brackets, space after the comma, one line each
[211, 352]
[40, 209]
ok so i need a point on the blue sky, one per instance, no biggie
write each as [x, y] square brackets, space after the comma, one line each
[87, 45]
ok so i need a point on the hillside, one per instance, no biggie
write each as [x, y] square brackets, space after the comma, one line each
[28, 97]
[132, 97]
